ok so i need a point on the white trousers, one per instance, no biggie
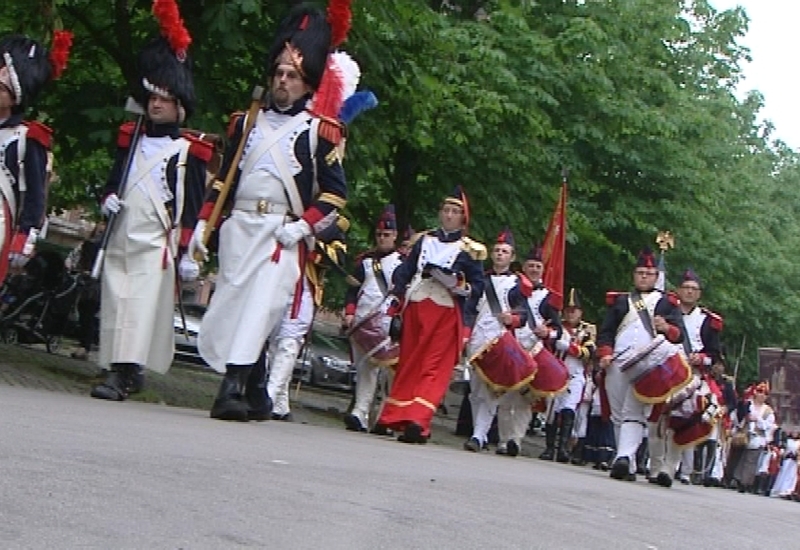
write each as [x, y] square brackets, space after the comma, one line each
[664, 454]
[483, 403]
[514, 415]
[570, 398]
[284, 346]
[628, 414]
[367, 375]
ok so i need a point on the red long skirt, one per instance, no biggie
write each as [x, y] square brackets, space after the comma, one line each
[430, 346]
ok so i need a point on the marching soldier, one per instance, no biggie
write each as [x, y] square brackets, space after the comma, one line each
[25, 68]
[365, 309]
[543, 324]
[702, 346]
[577, 347]
[499, 310]
[287, 187]
[155, 206]
[634, 323]
[439, 284]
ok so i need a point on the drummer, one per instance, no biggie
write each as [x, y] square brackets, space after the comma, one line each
[373, 271]
[625, 327]
[543, 325]
[500, 309]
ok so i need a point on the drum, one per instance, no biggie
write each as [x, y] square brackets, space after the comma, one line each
[368, 337]
[503, 364]
[657, 374]
[690, 431]
[552, 375]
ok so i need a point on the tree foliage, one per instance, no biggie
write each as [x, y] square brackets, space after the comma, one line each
[635, 97]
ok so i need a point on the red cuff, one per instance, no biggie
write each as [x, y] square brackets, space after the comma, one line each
[186, 237]
[467, 333]
[18, 242]
[350, 309]
[205, 211]
[516, 322]
[604, 351]
[574, 350]
[312, 216]
[673, 334]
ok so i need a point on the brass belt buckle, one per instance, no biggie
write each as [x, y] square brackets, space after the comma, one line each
[261, 206]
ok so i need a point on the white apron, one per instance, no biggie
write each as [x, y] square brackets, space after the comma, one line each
[252, 290]
[138, 280]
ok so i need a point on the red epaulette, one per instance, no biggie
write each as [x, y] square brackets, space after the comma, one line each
[199, 148]
[715, 319]
[40, 133]
[365, 254]
[235, 117]
[125, 133]
[612, 295]
[331, 130]
[673, 299]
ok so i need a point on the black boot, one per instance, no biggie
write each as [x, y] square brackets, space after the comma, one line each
[642, 455]
[259, 405]
[136, 384]
[230, 403]
[549, 442]
[117, 383]
[577, 454]
[565, 435]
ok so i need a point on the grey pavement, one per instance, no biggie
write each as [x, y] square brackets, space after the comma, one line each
[81, 473]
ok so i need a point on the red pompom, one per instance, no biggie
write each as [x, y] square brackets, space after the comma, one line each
[169, 19]
[59, 52]
[339, 18]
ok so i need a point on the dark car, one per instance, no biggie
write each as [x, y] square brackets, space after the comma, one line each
[325, 362]
[186, 342]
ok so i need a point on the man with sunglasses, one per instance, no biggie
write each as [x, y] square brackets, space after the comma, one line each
[373, 271]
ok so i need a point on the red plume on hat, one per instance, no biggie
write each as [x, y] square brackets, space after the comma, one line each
[172, 28]
[646, 258]
[59, 52]
[340, 18]
[506, 237]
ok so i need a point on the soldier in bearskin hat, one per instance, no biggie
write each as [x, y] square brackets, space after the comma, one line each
[287, 188]
[25, 67]
[373, 273]
[155, 207]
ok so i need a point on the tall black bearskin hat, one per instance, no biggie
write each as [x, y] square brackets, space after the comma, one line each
[164, 63]
[306, 35]
[26, 66]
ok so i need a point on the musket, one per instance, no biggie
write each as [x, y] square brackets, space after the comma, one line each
[131, 106]
[252, 113]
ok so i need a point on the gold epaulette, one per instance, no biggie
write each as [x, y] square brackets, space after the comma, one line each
[476, 250]
[590, 329]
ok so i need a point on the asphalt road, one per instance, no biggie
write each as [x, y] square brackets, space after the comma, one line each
[81, 473]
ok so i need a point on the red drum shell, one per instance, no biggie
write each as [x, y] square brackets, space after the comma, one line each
[688, 432]
[552, 376]
[658, 383]
[504, 365]
[369, 335]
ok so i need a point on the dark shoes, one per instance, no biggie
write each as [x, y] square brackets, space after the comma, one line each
[472, 445]
[621, 470]
[352, 423]
[121, 381]
[662, 479]
[412, 434]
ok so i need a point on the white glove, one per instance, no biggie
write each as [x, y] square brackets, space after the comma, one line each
[709, 413]
[196, 247]
[111, 205]
[188, 269]
[292, 233]
[562, 345]
[17, 261]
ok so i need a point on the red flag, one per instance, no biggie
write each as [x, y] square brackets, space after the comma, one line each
[554, 250]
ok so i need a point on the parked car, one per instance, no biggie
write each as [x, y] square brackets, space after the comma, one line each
[186, 343]
[325, 362]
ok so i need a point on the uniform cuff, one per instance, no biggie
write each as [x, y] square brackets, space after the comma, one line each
[350, 309]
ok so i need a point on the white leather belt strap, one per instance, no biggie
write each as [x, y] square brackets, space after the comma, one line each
[261, 206]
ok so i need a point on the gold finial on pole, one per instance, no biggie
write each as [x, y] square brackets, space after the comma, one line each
[665, 240]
